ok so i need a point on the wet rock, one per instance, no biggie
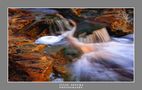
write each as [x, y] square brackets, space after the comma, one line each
[28, 61]
[70, 14]
[18, 12]
[33, 62]
[31, 57]
[87, 27]
[35, 26]
[119, 22]
[17, 72]
[25, 23]
[116, 20]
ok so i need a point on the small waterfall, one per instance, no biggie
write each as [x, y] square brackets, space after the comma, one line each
[100, 35]
[58, 26]
[51, 28]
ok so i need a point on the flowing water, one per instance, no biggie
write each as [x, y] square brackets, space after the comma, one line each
[107, 59]
[97, 36]
[111, 61]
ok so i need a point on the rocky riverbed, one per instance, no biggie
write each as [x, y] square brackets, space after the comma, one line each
[28, 61]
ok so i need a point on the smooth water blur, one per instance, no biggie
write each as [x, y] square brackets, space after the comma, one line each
[41, 10]
[112, 61]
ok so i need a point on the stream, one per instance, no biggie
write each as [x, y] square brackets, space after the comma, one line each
[112, 61]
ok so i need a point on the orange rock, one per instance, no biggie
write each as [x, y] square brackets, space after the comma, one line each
[115, 23]
[77, 11]
[39, 48]
[23, 52]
